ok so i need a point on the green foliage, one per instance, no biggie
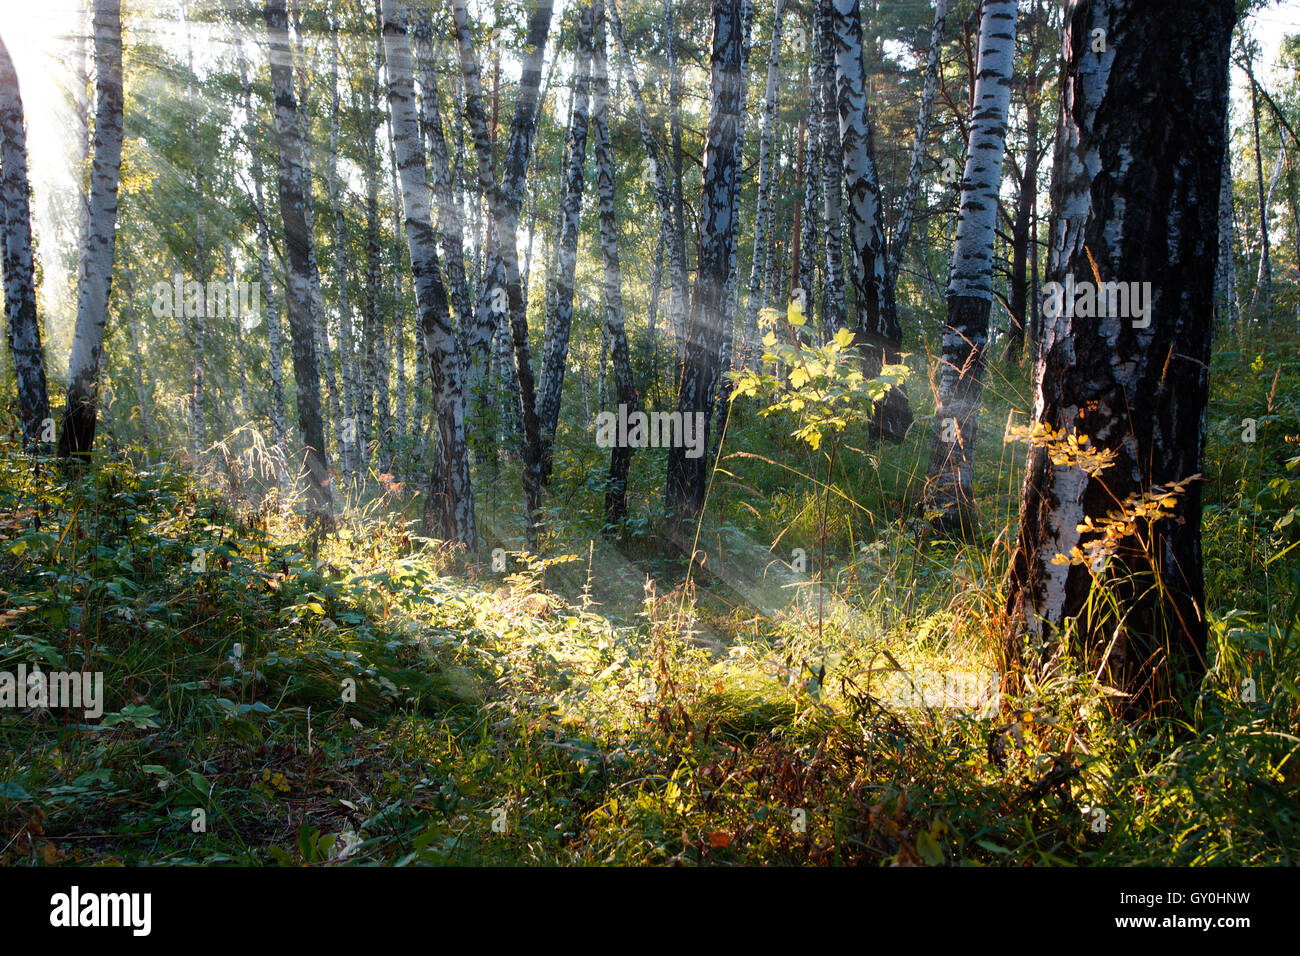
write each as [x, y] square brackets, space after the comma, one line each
[823, 387]
[505, 725]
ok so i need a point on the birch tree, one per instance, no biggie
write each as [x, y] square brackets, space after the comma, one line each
[834, 308]
[907, 210]
[1225, 273]
[1135, 385]
[805, 279]
[620, 456]
[302, 285]
[763, 206]
[451, 498]
[1264, 280]
[303, 71]
[372, 330]
[707, 323]
[19, 271]
[96, 273]
[450, 220]
[270, 305]
[877, 334]
[559, 318]
[503, 203]
[198, 328]
[658, 162]
[731, 297]
[678, 292]
[949, 493]
[347, 435]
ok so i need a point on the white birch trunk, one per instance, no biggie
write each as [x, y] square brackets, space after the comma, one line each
[19, 270]
[95, 280]
[451, 497]
[949, 487]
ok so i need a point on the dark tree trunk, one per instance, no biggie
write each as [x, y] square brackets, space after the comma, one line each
[620, 457]
[1139, 392]
[708, 324]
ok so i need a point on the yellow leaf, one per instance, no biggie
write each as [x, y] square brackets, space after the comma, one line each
[843, 338]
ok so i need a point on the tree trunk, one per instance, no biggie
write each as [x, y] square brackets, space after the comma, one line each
[678, 293]
[137, 357]
[329, 383]
[907, 212]
[949, 492]
[270, 307]
[876, 331]
[19, 270]
[1021, 235]
[372, 321]
[303, 280]
[824, 109]
[809, 221]
[347, 435]
[763, 207]
[96, 275]
[450, 508]
[503, 201]
[398, 353]
[1264, 281]
[1136, 387]
[559, 319]
[707, 324]
[450, 220]
[657, 165]
[1227, 307]
[199, 320]
[620, 457]
[732, 295]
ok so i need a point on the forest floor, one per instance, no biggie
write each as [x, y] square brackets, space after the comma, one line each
[390, 702]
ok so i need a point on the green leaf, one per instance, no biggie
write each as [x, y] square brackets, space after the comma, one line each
[928, 848]
[12, 791]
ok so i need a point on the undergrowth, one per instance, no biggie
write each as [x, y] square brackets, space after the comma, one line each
[387, 700]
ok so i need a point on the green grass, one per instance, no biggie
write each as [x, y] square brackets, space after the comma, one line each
[567, 715]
